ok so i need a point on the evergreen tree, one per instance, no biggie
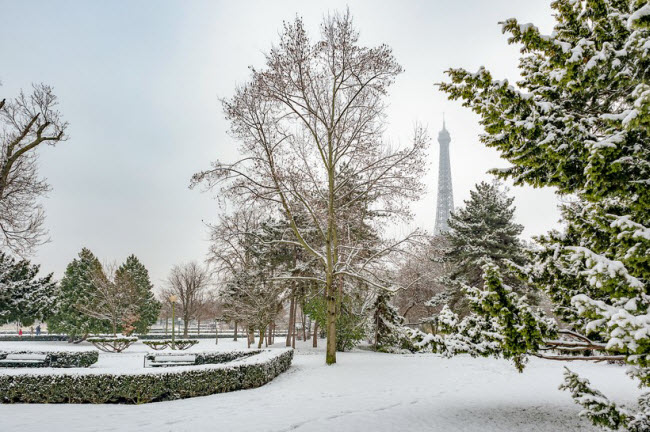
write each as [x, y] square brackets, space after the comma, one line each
[579, 121]
[148, 307]
[390, 334]
[23, 297]
[483, 230]
[76, 292]
[351, 323]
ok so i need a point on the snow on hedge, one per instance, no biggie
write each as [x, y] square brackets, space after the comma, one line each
[145, 385]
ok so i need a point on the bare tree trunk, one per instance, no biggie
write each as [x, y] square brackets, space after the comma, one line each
[304, 323]
[291, 317]
[259, 344]
[235, 338]
[330, 350]
[271, 333]
[293, 329]
[198, 326]
[315, 340]
[376, 331]
[186, 323]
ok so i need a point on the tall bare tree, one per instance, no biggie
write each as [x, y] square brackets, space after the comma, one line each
[245, 257]
[422, 270]
[190, 283]
[26, 122]
[311, 124]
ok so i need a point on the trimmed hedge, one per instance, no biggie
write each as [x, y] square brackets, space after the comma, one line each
[221, 335]
[51, 338]
[34, 338]
[140, 388]
[55, 359]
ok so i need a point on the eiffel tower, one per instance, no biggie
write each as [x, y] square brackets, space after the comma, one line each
[445, 192]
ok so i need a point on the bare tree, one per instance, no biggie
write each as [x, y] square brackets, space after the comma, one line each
[190, 283]
[422, 269]
[245, 259]
[311, 129]
[210, 308]
[26, 122]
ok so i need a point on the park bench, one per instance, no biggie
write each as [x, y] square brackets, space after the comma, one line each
[23, 360]
[162, 360]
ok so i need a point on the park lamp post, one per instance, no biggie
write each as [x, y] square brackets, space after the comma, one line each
[173, 299]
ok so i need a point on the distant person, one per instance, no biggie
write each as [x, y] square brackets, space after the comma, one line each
[31, 331]
[20, 332]
[38, 330]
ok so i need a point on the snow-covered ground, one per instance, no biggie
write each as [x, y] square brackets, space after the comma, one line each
[365, 391]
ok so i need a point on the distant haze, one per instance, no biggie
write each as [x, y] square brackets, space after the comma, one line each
[139, 82]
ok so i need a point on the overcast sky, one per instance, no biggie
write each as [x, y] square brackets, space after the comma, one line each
[139, 82]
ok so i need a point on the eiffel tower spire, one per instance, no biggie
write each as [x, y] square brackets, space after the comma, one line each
[445, 192]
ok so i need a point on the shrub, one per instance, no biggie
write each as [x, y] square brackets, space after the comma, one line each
[112, 343]
[156, 385]
[32, 338]
[55, 359]
[157, 345]
[180, 344]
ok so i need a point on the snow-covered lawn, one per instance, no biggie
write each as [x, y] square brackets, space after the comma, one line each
[365, 391]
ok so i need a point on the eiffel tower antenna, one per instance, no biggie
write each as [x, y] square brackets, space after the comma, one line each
[445, 191]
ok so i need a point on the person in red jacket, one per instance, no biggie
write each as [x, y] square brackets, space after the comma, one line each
[20, 332]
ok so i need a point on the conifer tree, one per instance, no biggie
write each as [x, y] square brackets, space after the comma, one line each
[76, 291]
[390, 334]
[148, 307]
[579, 121]
[23, 296]
[481, 231]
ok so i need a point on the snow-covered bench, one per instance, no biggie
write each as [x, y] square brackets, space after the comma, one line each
[157, 360]
[21, 360]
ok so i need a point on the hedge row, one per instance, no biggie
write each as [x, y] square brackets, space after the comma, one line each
[52, 338]
[155, 336]
[28, 338]
[55, 359]
[144, 387]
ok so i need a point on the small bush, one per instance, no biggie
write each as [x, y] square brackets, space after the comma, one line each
[32, 338]
[143, 387]
[112, 343]
[177, 344]
[55, 359]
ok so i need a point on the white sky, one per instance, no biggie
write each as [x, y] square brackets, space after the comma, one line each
[139, 81]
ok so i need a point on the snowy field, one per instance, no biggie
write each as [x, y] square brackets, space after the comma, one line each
[365, 391]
